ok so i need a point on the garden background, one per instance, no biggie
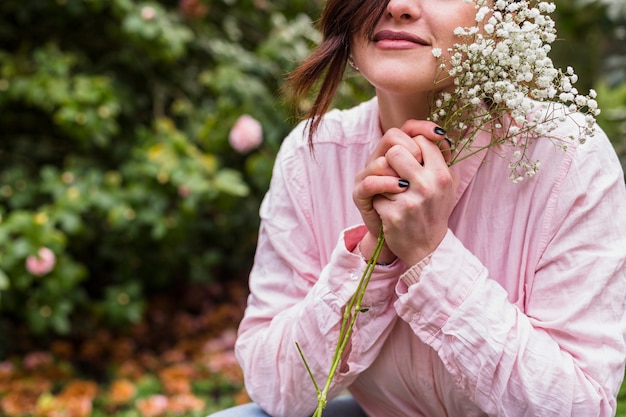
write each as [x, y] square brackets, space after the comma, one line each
[125, 164]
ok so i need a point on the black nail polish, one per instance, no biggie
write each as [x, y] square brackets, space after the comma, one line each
[449, 141]
[403, 183]
[440, 131]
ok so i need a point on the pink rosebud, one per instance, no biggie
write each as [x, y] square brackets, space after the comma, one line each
[42, 263]
[148, 13]
[246, 134]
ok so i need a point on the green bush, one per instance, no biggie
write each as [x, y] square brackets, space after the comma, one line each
[114, 121]
[593, 40]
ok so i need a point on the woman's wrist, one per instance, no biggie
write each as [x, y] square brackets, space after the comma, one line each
[368, 245]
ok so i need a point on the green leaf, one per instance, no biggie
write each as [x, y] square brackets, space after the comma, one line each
[230, 182]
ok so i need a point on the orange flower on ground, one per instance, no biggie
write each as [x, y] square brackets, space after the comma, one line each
[121, 392]
[22, 395]
[75, 400]
[50, 406]
[152, 406]
[185, 403]
[80, 388]
[176, 378]
[18, 403]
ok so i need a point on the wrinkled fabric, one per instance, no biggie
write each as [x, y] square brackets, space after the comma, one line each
[518, 312]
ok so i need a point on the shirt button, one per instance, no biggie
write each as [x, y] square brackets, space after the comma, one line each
[353, 276]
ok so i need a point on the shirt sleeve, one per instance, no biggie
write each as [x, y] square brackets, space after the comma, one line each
[295, 298]
[562, 352]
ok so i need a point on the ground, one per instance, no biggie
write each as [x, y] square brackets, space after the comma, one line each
[178, 361]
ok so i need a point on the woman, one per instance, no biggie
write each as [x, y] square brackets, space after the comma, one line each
[489, 298]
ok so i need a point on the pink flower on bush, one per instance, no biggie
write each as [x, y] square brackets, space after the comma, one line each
[42, 263]
[246, 134]
[148, 13]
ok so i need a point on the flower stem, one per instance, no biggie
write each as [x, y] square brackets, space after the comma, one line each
[353, 308]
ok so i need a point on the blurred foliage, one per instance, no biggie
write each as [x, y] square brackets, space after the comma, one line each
[593, 40]
[114, 153]
[114, 123]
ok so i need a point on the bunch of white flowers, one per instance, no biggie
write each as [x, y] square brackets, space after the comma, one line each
[505, 81]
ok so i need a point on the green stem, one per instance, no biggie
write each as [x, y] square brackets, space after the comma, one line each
[347, 324]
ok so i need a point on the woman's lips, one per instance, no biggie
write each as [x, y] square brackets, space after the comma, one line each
[392, 39]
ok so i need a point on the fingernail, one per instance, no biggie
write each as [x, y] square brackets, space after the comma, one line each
[403, 183]
[440, 131]
[449, 141]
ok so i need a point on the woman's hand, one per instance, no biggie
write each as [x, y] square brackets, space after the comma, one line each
[380, 178]
[415, 221]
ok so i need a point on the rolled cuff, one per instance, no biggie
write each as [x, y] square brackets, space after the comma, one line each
[439, 288]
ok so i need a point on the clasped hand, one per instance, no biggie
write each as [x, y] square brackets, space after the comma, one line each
[414, 218]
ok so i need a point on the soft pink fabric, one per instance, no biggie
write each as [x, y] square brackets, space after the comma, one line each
[519, 311]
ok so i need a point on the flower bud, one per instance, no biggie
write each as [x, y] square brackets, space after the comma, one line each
[148, 13]
[246, 134]
[41, 264]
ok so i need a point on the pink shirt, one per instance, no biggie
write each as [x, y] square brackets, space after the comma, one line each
[519, 311]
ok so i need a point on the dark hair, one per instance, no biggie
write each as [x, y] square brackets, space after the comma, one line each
[340, 21]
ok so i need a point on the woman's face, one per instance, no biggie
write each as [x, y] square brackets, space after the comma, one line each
[398, 58]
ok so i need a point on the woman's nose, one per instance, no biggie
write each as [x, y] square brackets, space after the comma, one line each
[403, 9]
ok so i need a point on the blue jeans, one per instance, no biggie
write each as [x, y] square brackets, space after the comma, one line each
[343, 406]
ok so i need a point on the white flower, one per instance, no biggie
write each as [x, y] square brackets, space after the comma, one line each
[482, 12]
[581, 101]
[501, 69]
[459, 31]
[437, 52]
